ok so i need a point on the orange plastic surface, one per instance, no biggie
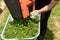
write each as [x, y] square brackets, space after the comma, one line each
[24, 6]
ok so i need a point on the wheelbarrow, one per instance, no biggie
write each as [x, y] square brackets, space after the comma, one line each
[19, 9]
[9, 19]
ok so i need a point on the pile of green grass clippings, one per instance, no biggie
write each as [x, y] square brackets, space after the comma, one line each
[24, 28]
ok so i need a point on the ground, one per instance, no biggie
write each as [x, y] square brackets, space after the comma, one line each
[3, 7]
[2, 16]
[53, 32]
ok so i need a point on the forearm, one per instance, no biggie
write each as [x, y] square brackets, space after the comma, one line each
[48, 7]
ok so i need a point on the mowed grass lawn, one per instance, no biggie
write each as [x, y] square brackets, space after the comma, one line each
[0, 0]
[53, 31]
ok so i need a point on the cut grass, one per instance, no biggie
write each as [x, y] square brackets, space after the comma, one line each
[52, 28]
[25, 28]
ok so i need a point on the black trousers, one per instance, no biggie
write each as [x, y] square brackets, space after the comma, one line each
[43, 25]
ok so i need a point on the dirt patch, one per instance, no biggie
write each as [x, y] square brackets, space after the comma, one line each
[57, 35]
[2, 15]
[57, 25]
[3, 7]
[56, 22]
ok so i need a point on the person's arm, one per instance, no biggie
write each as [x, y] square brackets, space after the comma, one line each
[49, 6]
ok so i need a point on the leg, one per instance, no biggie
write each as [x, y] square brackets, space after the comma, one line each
[43, 25]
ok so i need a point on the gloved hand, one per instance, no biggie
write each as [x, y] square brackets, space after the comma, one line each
[34, 13]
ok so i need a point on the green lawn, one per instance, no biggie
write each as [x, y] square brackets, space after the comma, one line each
[53, 31]
[3, 22]
[0, 0]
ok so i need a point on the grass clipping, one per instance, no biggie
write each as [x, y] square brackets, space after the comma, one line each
[25, 28]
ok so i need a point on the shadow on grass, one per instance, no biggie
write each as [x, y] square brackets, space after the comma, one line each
[49, 35]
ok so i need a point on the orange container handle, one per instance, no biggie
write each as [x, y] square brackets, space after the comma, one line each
[24, 7]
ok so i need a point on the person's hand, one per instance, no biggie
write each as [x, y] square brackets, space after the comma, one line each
[34, 13]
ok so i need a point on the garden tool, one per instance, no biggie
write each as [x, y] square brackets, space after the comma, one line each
[20, 8]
